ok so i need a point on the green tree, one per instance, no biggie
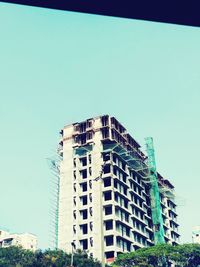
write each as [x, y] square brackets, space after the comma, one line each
[16, 257]
[81, 259]
[19, 257]
[164, 255]
[187, 255]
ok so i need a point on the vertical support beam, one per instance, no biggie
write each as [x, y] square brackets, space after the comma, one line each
[98, 232]
[57, 211]
[154, 194]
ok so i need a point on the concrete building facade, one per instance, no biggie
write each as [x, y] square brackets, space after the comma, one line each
[104, 202]
[26, 240]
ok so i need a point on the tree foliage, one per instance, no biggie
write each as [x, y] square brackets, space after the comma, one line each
[19, 257]
[187, 255]
[164, 255]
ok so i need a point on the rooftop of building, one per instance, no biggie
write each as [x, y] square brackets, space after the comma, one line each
[123, 131]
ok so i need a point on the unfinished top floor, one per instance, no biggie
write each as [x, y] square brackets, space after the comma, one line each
[83, 132]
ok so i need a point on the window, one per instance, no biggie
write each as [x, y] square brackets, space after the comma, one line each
[123, 215]
[106, 157]
[109, 240]
[90, 197]
[74, 229]
[109, 225]
[107, 195]
[83, 161]
[120, 187]
[82, 139]
[76, 139]
[125, 191]
[123, 166]
[84, 214]
[74, 175]
[83, 199]
[107, 182]
[109, 255]
[82, 127]
[124, 178]
[104, 120]
[84, 244]
[76, 128]
[83, 173]
[89, 135]
[126, 204]
[84, 187]
[124, 245]
[84, 229]
[108, 210]
[89, 124]
[106, 168]
[105, 133]
[120, 200]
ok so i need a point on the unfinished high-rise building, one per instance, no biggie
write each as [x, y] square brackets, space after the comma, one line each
[111, 198]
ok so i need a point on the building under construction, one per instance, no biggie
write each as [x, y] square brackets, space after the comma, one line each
[111, 199]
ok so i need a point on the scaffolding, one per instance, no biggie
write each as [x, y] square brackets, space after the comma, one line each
[156, 209]
[146, 168]
[54, 164]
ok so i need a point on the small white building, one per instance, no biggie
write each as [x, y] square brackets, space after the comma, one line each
[26, 240]
[196, 234]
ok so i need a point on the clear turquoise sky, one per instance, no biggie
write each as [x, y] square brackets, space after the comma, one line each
[60, 67]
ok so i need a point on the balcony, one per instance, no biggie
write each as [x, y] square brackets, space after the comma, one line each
[139, 219]
[137, 244]
[139, 231]
[137, 206]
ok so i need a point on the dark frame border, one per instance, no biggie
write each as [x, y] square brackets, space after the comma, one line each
[184, 12]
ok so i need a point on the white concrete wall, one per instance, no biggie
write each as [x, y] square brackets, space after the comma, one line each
[66, 208]
[98, 248]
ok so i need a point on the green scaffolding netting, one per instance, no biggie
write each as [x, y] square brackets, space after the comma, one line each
[156, 209]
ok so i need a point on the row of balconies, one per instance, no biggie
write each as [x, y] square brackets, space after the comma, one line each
[125, 196]
[111, 231]
[144, 222]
